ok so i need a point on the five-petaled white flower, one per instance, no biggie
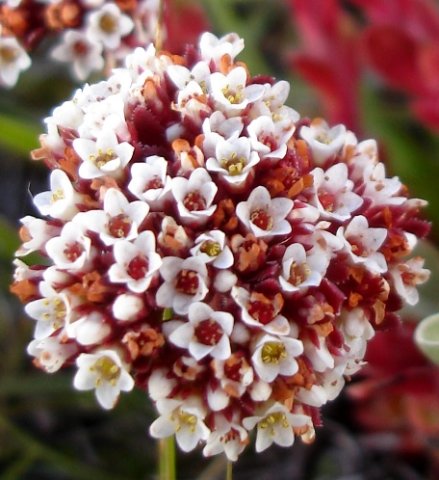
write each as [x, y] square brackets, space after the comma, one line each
[136, 263]
[185, 282]
[108, 25]
[13, 59]
[273, 356]
[60, 202]
[103, 156]
[182, 417]
[265, 216]
[211, 247]
[323, 141]
[205, 333]
[275, 424]
[104, 372]
[119, 220]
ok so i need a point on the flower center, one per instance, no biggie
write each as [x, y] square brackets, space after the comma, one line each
[273, 352]
[73, 251]
[194, 201]
[154, 184]
[230, 436]
[58, 313]
[186, 419]
[138, 267]
[261, 219]
[298, 273]
[233, 97]
[8, 54]
[57, 194]
[187, 282]
[277, 418]
[80, 49]
[324, 138]
[108, 23]
[211, 248]
[208, 332]
[101, 158]
[234, 164]
[119, 226]
[357, 247]
[107, 370]
[261, 311]
[327, 200]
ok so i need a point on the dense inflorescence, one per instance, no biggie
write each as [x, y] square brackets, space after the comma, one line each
[206, 244]
[89, 34]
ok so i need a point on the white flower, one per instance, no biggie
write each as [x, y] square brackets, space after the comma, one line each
[228, 437]
[320, 357]
[362, 244]
[182, 417]
[51, 312]
[214, 48]
[211, 247]
[90, 329]
[118, 221]
[83, 55]
[60, 202]
[273, 356]
[185, 283]
[381, 190]
[268, 138]
[34, 234]
[275, 424]
[205, 333]
[105, 156]
[136, 263]
[127, 307]
[217, 127]
[51, 353]
[104, 372]
[265, 216]
[108, 25]
[13, 59]
[257, 311]
[194, 196]
[301, 269]
[159, 385]
[406, 276]
[230, 91]
[182, 76]
[323, 141]
[233, 160]
[149, 181]
[72, 250]
[333, 193]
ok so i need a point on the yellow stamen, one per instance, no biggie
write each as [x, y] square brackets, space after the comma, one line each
[273, 352]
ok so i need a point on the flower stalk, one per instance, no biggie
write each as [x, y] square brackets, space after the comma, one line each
[167, 469]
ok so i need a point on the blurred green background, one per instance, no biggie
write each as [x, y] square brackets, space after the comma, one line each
[48, 430]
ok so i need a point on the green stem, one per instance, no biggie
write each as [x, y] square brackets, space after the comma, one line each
[167, 459]
[229, 470]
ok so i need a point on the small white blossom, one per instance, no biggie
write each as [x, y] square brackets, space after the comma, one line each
[83, 55]
[90, 329]
[211, 248]
[323, 141]
[149, 181]
[72, 250]
[333, 196]
[182, 417]
[104, 372]
[13, 59]
[108, 25]
[265, 216]
[60, 202]
[127, 307]
[35, 233]
[205, 333]
[214, 48]
[185, 282]
[194, 196]
[381, 190]
[362, 243]
[273, 356]
[275, 425]
[228, 437]
[406, 276]
[136, 263]
[105, 156]
[118, 221]
[51, 353]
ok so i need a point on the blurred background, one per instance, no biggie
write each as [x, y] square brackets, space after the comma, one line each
[370, 64]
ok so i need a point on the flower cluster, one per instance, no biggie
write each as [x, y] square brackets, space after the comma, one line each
[90, 34]
[206, 244]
